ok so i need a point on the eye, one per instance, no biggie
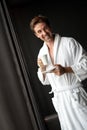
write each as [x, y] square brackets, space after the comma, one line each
[39, 31]
[46, 28]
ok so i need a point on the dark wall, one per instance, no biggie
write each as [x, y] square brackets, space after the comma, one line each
[67, 19]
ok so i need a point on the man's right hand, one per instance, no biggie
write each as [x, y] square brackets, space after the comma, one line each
[41, 65]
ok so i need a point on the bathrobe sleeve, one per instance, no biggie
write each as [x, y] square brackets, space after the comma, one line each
[40, 76]
[42, 51]
[79, 57]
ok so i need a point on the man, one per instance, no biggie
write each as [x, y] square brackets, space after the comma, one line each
[70, 61]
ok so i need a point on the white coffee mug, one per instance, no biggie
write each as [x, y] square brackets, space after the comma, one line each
[44, 59]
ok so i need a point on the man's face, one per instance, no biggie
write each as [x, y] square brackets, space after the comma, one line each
[43, 32]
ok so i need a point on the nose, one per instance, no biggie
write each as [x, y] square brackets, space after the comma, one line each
[44, 32]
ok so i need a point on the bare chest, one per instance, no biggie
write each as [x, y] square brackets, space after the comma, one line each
[51, 55]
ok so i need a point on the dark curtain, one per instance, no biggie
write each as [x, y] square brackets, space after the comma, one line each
[17, 111]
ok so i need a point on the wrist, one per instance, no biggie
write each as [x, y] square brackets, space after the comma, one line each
[68, 70]
[43, 68]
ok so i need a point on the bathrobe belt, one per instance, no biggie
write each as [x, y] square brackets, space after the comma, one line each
[65, 88]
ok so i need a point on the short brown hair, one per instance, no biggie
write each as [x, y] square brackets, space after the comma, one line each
[38, 19]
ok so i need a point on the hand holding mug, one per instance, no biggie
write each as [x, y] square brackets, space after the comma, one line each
[41, 65]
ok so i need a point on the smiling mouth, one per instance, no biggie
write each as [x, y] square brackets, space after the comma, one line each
[47, 37]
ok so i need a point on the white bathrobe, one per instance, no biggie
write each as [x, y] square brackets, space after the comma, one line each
[70, 99]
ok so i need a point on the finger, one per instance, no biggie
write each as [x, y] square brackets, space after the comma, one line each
[57, 67]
